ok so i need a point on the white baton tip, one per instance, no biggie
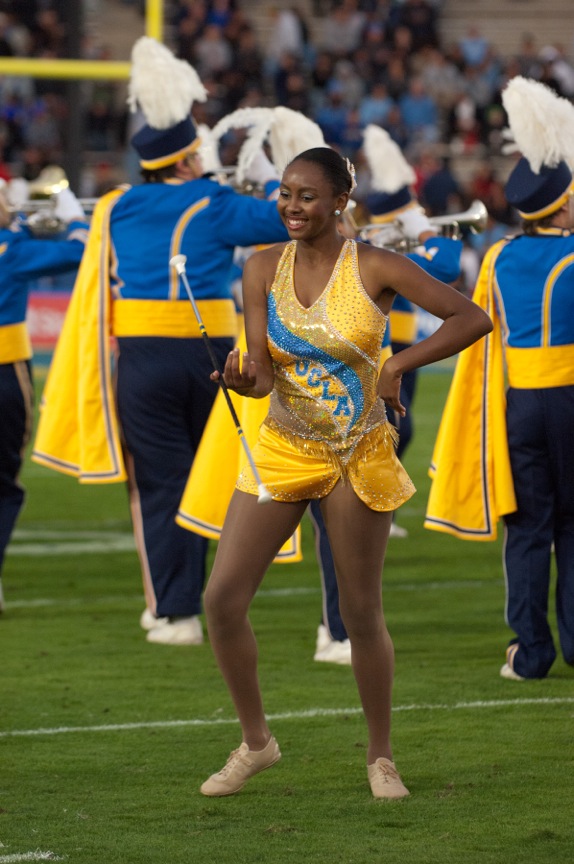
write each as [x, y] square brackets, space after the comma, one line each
[264, 495]
[178, 262]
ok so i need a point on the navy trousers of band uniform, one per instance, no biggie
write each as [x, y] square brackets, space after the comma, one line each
[164, 397]
[541, 442]
[331, 616]
[16, 400]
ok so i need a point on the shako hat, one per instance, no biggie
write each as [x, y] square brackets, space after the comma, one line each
[542, 127]
[165, 89]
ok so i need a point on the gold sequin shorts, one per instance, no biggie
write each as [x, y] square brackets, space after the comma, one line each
[296, 469]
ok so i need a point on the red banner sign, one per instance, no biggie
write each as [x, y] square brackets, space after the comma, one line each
[45, 318]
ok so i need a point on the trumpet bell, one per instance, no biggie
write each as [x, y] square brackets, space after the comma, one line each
[51, 180]
[391, 235]
[475, 218]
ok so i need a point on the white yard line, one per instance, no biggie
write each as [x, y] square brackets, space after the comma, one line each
[29, 856]
[63, 603]
[46, 543]
[288, 715]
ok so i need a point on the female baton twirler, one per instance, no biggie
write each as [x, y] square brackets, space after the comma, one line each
[316, 309]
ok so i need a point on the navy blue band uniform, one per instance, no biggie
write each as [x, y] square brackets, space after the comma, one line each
[144, 424]
[512, 457]
[534, 294]
[164, 392]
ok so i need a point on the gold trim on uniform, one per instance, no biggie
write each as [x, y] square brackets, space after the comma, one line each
[173, 318]
[533, 368]
[171, 158]
[403, 326]
[550, 208]
[14, 343]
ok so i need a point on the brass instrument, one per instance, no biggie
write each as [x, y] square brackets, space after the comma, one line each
[391, 235]
[38, 212]
[51, 180]
[40, 218]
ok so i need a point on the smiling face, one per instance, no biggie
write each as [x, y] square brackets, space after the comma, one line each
[307, 200]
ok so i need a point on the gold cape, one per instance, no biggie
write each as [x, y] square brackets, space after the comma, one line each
[219, 460]
[472, 485]
[78, 430]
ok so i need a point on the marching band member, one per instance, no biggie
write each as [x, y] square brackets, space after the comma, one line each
[23, 257]
[509, 454]
[150, 435]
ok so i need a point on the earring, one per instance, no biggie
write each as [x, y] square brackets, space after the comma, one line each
[337, 212]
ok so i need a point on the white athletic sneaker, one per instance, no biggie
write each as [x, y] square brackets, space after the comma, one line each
[397, 531]
[335, 652]
[323, 638]
[148, 620]
[177, 631]
[508, 672]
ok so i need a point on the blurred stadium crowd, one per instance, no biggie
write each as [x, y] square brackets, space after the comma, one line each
[344, 63]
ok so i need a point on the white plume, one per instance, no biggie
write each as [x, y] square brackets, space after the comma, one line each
[389, 169]
[208, 149]
[541, 123]
[241, 119]
[161, 85]
[291, 133]
[257, 121]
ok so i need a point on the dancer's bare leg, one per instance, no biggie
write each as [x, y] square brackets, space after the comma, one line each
[252, 536]
[358, 538]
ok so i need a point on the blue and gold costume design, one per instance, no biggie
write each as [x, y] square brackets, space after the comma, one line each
[325, 420]
[22, 258]
[509, 454]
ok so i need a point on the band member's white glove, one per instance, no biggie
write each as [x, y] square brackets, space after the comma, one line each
[68, 207]
[414, 222]
[17, 192]
[261, 170]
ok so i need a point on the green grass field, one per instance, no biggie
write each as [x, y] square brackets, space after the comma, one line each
[105, 739]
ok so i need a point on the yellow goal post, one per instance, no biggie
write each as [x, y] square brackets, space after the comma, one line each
[84, 69]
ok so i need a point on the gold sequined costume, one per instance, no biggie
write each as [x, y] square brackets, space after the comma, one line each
[325, 419]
